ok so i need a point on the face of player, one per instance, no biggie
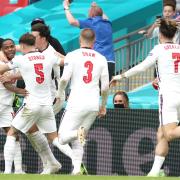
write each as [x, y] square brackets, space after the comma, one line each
[39, 39]
[9, 49]
[168, 12]
[120, 101]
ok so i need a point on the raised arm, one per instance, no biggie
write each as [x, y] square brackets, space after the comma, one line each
[71, 19]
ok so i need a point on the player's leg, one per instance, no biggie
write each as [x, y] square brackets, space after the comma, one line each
[47, 125]
[9, 149]
[78, 120]
[41, 146]
[5, 122]
[161, 152]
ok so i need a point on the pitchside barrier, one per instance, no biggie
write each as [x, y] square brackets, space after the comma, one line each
[122, 143]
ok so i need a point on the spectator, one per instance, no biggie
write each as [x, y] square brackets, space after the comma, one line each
[102, 28]
[169, 11]
[121, 100]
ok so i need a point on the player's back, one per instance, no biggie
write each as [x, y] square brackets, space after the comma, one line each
[36, 71]
[87, 68]
[169, 66]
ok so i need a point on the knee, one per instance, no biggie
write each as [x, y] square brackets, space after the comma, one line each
[169, 135]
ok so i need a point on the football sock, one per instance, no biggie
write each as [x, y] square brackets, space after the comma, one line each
[18, 158]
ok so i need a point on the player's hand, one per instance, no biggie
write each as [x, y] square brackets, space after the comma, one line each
[6, 78]
[115, 79]
[23, 92]
[155, 84]
[102, 112]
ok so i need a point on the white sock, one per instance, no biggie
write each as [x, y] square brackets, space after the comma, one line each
[9, 152]
[66, 137]
[158, 162]
[18, 158]
[78, 155]
[41, 146]
[66, 149]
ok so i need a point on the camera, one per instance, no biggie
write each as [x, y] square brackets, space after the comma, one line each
[158, 17]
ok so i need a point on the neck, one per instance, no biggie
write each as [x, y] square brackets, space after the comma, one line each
[164, 41]
[44, 46]
[29, 49]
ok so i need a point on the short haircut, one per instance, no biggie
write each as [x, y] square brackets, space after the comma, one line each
[43, 30]
[7, 39]
[168, 28]
[27, 39]
[88, 35]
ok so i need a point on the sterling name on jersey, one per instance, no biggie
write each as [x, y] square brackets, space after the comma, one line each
[36, 68]
[85, 67]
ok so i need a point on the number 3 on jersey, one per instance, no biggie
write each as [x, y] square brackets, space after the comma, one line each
[88, 78]
[176, 56]
[39, 71]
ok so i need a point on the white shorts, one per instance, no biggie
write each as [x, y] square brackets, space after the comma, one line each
[5, 115]
[42, 116]
[72, 120]
[169, 108]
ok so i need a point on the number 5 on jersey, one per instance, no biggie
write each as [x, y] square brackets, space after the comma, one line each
[39, 71]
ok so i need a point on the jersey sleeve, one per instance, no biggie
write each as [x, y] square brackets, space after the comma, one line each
[68, 67]
[147, 63]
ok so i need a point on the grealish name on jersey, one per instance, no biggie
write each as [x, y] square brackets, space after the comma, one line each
[38, 57]
[171, 46]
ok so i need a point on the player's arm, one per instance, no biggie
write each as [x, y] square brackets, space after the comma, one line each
[143, 66]
[4, 68]
[104, 90]
[67, 72]
[60, 58]
[15, 89]
[10, 78]
[71, 19]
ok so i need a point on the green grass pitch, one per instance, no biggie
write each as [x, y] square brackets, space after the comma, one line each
[68, 177]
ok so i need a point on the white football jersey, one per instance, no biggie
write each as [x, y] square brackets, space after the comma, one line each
[6, 97]
[85, 68]
[36, 68]
[50, 51]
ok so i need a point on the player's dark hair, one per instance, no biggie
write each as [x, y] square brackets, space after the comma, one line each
[168, 28]
[27, 39]
[43, 30]
[7, 39]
